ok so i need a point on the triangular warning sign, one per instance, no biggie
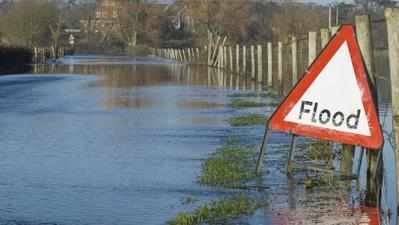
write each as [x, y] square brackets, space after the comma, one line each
[333, 100]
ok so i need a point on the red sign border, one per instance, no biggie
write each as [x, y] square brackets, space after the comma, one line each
[276, 122]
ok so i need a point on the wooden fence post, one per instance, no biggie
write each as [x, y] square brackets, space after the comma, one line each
[238, 59]
[231, 58]
[280, 66]
[221, 56]
[225, 57]
[253, 62]
[244, 60]
[392, 20]
[312, 47]
[324, 37]
[183, 52]
[269, 64]
[180, 55]
[363, 34]
[294, 54]
[174, 54]
[209, 51]
[260, 64]
[334, 30]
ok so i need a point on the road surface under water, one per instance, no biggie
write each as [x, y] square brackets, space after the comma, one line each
[114, 140]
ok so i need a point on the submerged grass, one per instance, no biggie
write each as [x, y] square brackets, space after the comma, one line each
[229, 167]
[240, 103]
[220, 211]
[320, 150]
[247, 120]
[325, 180]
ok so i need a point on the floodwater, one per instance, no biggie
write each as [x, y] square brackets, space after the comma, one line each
[117, 141]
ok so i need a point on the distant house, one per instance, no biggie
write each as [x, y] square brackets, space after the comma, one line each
[105, 17]
[106, 14]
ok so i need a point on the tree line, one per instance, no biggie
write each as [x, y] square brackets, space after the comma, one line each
[180, 24]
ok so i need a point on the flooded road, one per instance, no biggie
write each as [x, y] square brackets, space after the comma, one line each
[101, 141]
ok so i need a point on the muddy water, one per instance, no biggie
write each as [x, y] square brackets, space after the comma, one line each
[100, 140]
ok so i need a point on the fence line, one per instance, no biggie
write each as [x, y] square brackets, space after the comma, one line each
[279, 64]
[284, 61]
[42, 54]
[272, 64]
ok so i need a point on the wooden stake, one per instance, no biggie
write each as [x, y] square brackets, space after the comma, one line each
[392, 20]
[291, 154]
[260, 64]
[334, 30]
[363, 34]
[324, 37]
[244, 60]
[253, 68]
[312, 47]
[294, 54]
[269, 64]
[280, 65]
[231, 58]
[263, 149]
[238, 59]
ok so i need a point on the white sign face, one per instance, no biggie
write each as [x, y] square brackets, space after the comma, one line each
[334, 99]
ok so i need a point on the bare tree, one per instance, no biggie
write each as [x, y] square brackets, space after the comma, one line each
[30, 22]
[131, 16]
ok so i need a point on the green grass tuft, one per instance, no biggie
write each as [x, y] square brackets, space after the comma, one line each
[239, 103]
[248, 120]
[218, 212]
[229, 167]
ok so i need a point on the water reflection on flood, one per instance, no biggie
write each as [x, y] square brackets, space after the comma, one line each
[122, 82]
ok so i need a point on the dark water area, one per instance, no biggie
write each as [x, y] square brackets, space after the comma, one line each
[97, 140]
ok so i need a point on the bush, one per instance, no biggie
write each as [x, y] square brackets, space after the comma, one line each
[139, 50]
[10, 56]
